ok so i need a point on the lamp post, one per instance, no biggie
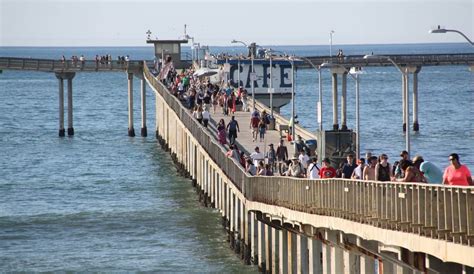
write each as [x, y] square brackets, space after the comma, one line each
[443, 30]
[330, 43]
[252, 75]
[407, 98]
[292, 61]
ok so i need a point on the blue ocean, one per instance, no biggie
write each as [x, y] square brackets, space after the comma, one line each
[103, 201]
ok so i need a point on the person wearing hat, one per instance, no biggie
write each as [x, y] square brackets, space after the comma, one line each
[327, 171]
[271, 157]
[296, 168]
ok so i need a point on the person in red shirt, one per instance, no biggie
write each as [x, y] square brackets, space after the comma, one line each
[457, 174]
[327, 171]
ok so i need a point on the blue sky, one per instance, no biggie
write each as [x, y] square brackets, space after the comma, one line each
[124, 23]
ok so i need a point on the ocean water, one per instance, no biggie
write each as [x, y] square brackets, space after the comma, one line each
[102, 201]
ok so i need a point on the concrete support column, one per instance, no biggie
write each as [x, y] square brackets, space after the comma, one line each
[70, 127]
[261, 246]
[338, 260]
[144, 131]
[292, 253]
[404, 87]
[283, 251]
[253, 238]
[344, 102]
[328, 255]
[301, 254]
[314, 248]
[415, 71]
[335, 124]
[274, 247]
[247, 236]
[268, 249]
[131, 130]
[61, 107]
[367, 264]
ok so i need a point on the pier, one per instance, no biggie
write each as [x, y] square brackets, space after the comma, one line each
[291, 225]
[295, 225]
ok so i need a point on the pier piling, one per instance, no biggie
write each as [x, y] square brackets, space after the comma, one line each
[131, 130]
[143, 132]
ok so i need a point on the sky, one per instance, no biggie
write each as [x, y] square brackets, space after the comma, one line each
[216, 23]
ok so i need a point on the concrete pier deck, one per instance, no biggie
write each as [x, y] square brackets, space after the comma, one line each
[244, 138]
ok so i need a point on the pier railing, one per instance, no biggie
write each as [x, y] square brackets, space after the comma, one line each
[434, 211]
[50, 65]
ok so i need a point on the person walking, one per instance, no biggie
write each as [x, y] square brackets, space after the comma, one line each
[254, 123]
[383, 172]
[221, 132]
[282, 155]
[206, 116]
[327, 171]
[233, 128]
[457, 174]
[348, 167]
[359, 170]
[271, 157]
[262, 127]
[314, 169]
[369, 171]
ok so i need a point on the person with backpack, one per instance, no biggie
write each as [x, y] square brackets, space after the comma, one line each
[313, 169]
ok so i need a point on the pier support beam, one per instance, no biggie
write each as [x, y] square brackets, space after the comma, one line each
[301, 254]
[415, 71]
[404, 88]
[61, 107]
[314, 249]
[61, 77]
[344, 101]
[283, 251]
[70, 127]
[144, 132]
[261, 246]
[131, 130]
[335, 125]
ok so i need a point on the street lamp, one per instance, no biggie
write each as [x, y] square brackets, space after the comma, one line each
[330, 43]
[356, 79]
[443, 30]
[407, 98]
[252, 75]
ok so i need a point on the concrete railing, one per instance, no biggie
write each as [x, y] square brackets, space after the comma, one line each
[433, 211]
[50, 65]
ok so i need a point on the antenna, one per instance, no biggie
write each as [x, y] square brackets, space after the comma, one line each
[185, 35]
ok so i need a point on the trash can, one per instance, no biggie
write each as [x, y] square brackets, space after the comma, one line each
[312, 144]
[271, 125]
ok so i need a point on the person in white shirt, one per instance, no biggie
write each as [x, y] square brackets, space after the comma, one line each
[206, 116]
[359, 170]
[257, 156]
[313, 169]
[304, 159]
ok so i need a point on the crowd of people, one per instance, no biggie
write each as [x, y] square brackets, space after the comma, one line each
[99, 59]
[202, 97]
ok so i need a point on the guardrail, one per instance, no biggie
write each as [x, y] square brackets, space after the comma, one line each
[50, 65]
[407, 59]
[433, 211]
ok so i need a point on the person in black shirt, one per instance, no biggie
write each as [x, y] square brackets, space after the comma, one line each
[348, 167]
